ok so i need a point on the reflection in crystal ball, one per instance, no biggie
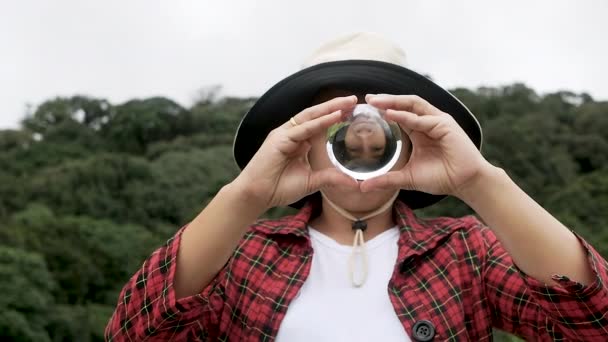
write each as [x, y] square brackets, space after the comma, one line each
[364, 145]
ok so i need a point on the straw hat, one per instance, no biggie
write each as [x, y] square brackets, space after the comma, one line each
[361, 62]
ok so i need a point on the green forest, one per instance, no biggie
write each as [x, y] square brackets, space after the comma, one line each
[88, 189]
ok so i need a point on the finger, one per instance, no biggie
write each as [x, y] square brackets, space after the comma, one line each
[433, 126]
[325, 108]
[410, 103]
[303, 148]
[331, 177]
[310, 128]
[390, 180]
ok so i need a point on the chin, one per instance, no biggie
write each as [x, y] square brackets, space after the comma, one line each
[357, 201]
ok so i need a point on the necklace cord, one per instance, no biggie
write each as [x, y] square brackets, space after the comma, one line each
[359, 242]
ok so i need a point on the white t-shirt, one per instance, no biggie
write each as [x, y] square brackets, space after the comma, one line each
[330, 308]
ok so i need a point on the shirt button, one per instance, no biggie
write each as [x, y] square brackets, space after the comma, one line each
[423, 331]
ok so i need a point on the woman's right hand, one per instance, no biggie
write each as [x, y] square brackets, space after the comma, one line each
[279, 173]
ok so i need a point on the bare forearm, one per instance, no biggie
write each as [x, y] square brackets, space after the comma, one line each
[211, 238]
[539, 244]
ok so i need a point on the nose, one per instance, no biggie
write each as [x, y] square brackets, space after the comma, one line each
[366, 144]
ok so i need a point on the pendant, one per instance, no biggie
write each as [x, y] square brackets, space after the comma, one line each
[360, 225]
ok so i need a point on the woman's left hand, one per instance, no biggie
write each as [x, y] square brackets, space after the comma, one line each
[443, 161]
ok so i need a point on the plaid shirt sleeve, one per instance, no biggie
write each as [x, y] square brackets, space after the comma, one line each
[148, 310]
[536, 311]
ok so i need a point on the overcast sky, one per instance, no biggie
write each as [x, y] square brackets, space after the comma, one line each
[122, 49]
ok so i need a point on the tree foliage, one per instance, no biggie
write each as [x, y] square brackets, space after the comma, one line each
[89, 189]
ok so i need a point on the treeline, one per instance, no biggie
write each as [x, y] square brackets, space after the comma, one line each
[89, 189]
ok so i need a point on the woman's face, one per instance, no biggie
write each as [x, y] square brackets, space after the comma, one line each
[366, 140]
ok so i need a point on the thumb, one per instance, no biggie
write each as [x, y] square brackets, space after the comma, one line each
[401, 179]
[331, 177]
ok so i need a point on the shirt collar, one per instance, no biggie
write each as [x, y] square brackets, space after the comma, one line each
[417, 235]
[289, 225]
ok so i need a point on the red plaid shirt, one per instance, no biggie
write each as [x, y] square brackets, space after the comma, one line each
[451, 272]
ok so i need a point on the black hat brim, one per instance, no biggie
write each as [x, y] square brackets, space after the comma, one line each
[297, 91]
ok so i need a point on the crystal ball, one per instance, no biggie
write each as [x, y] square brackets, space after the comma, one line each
[364, 144]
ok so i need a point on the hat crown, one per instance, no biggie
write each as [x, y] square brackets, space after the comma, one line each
[361, 46]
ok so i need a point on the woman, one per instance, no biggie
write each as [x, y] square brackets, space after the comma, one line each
[224, 277]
